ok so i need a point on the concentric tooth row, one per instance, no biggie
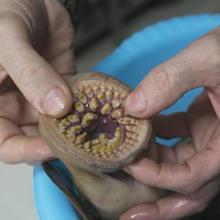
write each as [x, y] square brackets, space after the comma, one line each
[126, 120]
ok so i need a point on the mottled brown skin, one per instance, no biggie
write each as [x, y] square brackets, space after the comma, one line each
[89, 147]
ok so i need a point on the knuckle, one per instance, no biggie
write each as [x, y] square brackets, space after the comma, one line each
[29, 74]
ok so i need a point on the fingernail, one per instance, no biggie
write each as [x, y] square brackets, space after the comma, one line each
[136, 102]
[54, 102]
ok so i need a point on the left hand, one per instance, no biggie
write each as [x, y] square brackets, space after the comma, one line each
[203, 126]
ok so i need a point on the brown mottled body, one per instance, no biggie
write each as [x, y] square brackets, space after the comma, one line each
[98, 136]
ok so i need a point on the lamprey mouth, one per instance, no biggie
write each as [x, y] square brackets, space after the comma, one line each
[97, 133]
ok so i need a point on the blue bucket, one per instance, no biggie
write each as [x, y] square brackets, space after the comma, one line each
[130, 62]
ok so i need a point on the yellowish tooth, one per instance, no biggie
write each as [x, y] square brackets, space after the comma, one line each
[63, 123]
[106, 109]
[103, 87]
[95, 88]
[93, 104]
[109, 94]
[101, 96]
[131, 135]
[95, 142]
[73, 118]
[123, 95]
[75, 129]
[89, 92]
[130, 141]
[116, 94]
[88, 118]
[87, 145]
[70, 135]
[127, 120]
[118, 132]
[79, 107]
[117, 113]
[131, 128]
[87, 150]
[82, 97]
[116, 103]
[80, 139]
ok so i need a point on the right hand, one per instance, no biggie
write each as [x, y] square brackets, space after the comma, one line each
[36, 38]
[190, 170]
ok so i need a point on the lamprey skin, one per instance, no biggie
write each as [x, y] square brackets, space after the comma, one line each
[97, 134]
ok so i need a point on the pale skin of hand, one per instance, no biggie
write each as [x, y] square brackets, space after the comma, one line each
[191, 171]
[36, 38]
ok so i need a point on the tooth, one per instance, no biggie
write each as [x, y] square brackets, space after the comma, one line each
[73, 118]
[116, 94]
[70, 135]
[95, 88]
[80, 139]
[75, 129]
[131, 135]
[95, 142]
[123, 96]
[89, 92]
[109, 94]
[126, 120]
[87, 145]
[130, 141]
[88, 118]
[82, 98]
[79, 107]
[106, 109]
[101, 96]
[93, 104]
[118, 132]
[117, 113]
[63, 123]
[131, 128]
[116, 103]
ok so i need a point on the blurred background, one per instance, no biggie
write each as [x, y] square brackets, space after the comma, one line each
[103, 25]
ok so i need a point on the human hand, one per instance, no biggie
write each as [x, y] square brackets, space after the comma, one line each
[36, 38]
[191, 170]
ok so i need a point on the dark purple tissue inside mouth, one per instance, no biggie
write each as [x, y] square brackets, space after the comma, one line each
[104, 124]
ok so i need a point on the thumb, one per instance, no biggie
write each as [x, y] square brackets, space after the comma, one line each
[197, 65]
[41, 85]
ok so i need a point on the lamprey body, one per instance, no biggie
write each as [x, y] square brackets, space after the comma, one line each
[96, 139]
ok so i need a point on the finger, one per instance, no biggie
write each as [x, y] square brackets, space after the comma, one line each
[170, 126]
[186, 177]
[178, 154]
[17, 148]
[43, 87]
[175, 206]
[15, 108]
[30, 130]
[195, 66]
